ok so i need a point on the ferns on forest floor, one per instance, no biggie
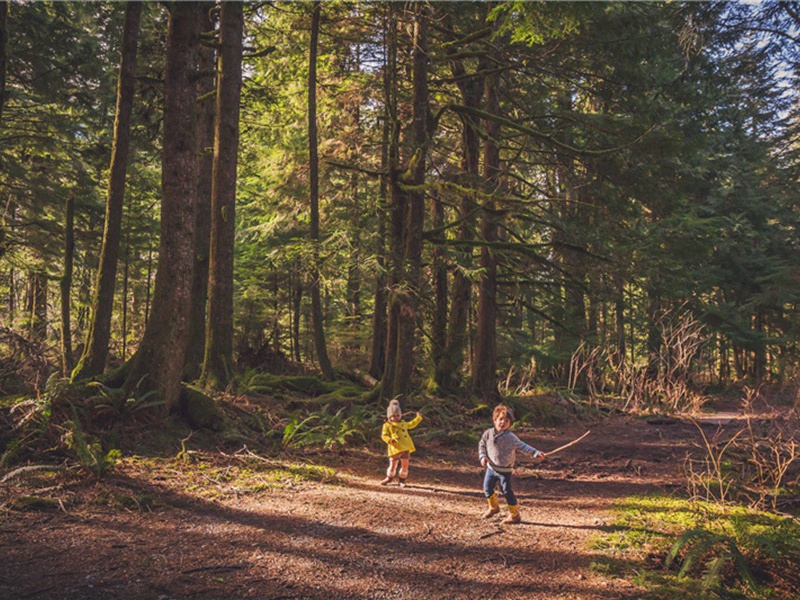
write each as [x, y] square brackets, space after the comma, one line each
[676, 548]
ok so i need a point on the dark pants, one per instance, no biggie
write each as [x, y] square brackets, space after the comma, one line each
[491, 479]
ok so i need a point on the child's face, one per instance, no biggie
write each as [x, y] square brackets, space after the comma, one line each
[502, 422]
[395, 418]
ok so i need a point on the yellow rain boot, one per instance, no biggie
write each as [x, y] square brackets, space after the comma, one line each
[513, 515]
[494, 506]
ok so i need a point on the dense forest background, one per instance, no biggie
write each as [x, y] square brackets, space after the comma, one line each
[468, 199]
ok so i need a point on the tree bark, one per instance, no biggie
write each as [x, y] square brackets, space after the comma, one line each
[3, 55]
[457, 338]
[195, 353]
[36, 306]
[378, 354]
[158, 363]
[414, 215]
[296, 287]
[619, 320]
[439, 267]
[313, 173]
[95, 353]
[484, 381]
[66, 287]
[125, 283]
[218, 362]
[395, 206]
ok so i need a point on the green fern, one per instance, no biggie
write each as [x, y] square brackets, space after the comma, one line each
[293, 432]
[89, 452]
[712, 578]
[716, 550]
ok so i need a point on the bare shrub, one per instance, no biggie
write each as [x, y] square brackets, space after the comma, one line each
[588, 368]
[667, 383]
[519, 381]
[711, 477]
[756, 465]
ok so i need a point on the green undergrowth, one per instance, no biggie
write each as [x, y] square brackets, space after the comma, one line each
[677, 549]
[306, 386]
[92, 432]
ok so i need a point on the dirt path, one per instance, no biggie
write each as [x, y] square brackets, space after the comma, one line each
[348, 537]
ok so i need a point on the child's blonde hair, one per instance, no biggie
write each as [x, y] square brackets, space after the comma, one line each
[393, 409]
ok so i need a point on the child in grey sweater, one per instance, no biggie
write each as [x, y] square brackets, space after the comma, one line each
[497, 452]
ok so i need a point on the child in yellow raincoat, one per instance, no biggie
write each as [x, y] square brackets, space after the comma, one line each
[399, 442]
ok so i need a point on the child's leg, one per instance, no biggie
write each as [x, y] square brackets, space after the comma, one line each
[403, 470]
[489, 482]
[508, 491]
[511, 499]
[390, 471]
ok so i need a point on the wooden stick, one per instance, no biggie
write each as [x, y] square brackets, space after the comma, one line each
[565, 446]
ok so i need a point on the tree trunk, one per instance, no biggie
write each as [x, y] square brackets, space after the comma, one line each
[3, 55]
[414, 215]
[36, 306]
[95, 353]
[396, 205]
[439, 267]
[619, 312]
[378, 356]
[158, 363]
[313, 173]
[218, 361]
[354, 276]
[568, 236]
[66, 287]
[452, 360]
[380, 318]
[205, 156]
[148, 292]
[654, 338]
[485, 368]
[297, 303]
[759, 369]
[125, 284]
[12, 297]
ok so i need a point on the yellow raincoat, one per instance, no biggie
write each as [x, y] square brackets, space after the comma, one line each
[399, 431]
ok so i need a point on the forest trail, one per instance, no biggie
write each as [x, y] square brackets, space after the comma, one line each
[344, 536]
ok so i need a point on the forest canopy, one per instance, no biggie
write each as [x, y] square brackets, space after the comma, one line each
[462, 198]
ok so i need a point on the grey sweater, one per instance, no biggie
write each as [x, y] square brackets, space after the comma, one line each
[501, 448]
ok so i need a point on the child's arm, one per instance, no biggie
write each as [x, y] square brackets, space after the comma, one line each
[386, 434]
[528, 449]
[482, 455]
[415, 421]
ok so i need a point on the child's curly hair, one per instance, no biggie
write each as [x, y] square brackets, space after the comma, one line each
[503, 409]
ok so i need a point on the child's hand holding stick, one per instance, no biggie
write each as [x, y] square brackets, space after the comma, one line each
[564, 447]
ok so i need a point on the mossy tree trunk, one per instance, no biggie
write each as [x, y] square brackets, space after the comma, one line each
[471, 88]
[317, 315]
[378, 351]
[484, 382]
[158, 363]
[412, 185]
[195, 352]
[95, 353]
[218, 362]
